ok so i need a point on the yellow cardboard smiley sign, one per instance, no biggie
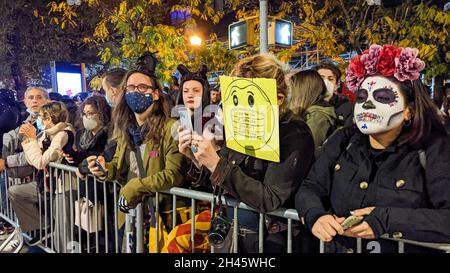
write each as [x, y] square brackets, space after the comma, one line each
[251, 116]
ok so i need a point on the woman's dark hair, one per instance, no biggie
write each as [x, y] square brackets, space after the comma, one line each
[426, 120]
[100, 104]
[154, 125]
[330, 66]
[115, 77]
[307, 88]
[72, 110]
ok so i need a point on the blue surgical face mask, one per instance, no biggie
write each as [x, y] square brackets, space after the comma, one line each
[40, 124]
[138, 102]
[110, 102]
[31, 112]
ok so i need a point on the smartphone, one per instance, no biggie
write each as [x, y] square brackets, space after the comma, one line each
[100, 168]
[351, 221]
[185, 118]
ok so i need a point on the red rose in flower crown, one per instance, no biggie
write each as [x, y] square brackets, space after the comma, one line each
[387, 60]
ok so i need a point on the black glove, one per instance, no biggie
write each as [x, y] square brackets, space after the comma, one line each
[83, 168]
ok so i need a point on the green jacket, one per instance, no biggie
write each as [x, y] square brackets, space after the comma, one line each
[163, 168]
[321, 121]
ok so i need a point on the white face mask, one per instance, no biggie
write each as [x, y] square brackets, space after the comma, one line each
[90, 123]
[330, 88]
[379, 106]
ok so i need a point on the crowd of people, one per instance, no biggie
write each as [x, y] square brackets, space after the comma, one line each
[381, 155]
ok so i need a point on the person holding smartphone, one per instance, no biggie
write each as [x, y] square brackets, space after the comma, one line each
[261, 184]
[143, 130]
[392, 168]
[195, 112]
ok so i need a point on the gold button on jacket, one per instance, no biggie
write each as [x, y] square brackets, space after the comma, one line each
[364, 185]
[337, 167]
[400, 183]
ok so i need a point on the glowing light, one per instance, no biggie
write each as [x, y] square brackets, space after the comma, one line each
[196, 40]
[285, 34]
[235, 37]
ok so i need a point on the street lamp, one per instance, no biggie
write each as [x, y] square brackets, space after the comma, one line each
[195, 40]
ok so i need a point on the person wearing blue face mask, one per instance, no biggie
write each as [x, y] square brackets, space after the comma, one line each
[13, 158]
[147, 157]
[111, 82]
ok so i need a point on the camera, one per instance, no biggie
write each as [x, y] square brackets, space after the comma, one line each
[220, 228]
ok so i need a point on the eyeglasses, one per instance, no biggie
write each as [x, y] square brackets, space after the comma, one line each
[89, 115]
[142, 88]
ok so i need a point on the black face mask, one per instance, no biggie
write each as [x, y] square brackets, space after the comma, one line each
[138, 102]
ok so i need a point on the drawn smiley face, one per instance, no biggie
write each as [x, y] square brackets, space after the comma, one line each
[252, 115]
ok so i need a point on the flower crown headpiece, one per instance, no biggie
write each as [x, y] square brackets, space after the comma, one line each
[387, 60]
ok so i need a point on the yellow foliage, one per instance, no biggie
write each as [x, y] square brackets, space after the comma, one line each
[96, 83]
[123, 8]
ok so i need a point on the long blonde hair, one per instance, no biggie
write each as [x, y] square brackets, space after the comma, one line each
[264, 66]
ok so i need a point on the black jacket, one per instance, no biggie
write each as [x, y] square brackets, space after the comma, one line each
[447, 124]
[87, 145]
[343, 109]
[411, 202]
[263, 185]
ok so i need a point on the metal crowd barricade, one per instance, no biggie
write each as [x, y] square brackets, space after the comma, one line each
[60, 231]
[58, 215]
[78, 224]
[401, 245]
[6, 210]
[289, 214]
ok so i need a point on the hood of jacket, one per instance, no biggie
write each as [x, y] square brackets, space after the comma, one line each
[327, 111]
[52, 132]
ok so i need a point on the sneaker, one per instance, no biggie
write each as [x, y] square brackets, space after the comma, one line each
[4, 234]
[14, 246]
[14, 243]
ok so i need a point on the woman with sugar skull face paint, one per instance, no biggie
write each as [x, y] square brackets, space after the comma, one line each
[261, 184]
[392, 169]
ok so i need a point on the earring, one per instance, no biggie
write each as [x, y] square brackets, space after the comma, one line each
[407, 122]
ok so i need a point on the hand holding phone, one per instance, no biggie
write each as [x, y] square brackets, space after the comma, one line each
[100, 168]
[185, 119]
[351, 221]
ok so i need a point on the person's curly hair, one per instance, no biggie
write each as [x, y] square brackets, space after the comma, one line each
[56, 111]
[100, 105]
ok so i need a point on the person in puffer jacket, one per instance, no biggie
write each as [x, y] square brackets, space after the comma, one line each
[40, 150]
